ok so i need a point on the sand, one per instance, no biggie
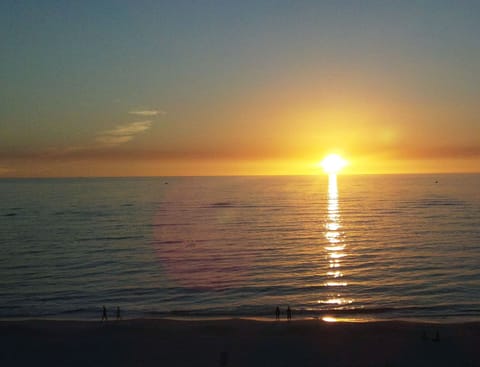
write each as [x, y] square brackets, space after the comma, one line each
[237, 343]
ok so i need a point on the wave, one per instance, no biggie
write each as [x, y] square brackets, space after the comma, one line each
[109, 238]
[425, 313]
[418, 312]
[228, 204]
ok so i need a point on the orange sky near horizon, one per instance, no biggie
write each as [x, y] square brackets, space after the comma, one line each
[274, 141]
[239, 89]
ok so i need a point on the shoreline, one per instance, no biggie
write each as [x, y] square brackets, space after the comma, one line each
[238, 342]
[327, 318]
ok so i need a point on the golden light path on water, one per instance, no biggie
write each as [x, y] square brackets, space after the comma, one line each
[335, 250]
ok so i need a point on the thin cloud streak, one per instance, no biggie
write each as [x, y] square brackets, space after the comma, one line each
[104, 141]
[110, 145]
[436, 152]
[147, 113]
[122, 133]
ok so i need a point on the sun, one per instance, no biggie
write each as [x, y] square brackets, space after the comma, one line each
[333, 163]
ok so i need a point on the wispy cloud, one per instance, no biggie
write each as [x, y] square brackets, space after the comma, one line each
[122, 133]
[103, 140]
[100, 146]
[145, 112]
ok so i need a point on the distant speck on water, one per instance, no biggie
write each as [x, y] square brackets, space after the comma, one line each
[10, 214]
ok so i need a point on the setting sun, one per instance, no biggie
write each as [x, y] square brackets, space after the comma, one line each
[333, 163]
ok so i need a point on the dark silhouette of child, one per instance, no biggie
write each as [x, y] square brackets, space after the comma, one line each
[289, 313]
[424, 335]
[104, 314]
[119, 317]
[223, 358]
[277, 313]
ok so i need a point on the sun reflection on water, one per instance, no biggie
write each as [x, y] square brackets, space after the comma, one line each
[335, 248]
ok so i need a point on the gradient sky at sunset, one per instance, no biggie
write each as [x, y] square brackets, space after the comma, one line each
[120, 88]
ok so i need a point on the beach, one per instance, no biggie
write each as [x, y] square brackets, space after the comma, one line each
[237, 342]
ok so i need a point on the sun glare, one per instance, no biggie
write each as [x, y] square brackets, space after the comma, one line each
[333, 163]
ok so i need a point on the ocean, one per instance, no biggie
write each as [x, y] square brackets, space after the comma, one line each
[367, 247]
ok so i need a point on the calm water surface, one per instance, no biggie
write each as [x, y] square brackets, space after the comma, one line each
[368, 247]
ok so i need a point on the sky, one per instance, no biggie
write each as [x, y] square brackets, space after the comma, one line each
[160, 88]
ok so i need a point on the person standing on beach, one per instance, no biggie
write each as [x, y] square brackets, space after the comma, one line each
[277, 313]
[289, 313]
[104, 314]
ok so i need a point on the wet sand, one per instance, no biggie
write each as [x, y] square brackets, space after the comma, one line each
[237, 343]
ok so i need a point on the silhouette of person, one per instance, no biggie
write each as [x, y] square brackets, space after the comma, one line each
[289, 313]
[119, 317]
[277, 313]
[424, 335]
[223, 358]
[104, 314]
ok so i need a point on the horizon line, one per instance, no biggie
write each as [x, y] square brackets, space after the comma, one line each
[246, 175]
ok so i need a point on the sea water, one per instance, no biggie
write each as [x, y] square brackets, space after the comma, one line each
[366, 247]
